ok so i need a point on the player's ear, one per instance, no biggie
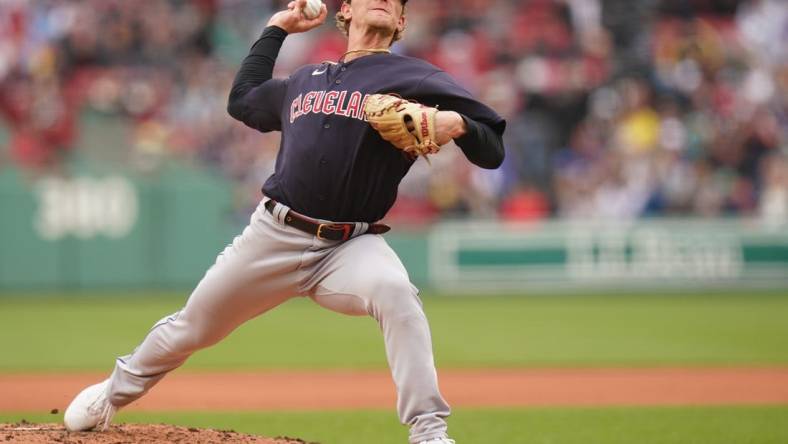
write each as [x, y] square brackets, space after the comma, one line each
[403, 22]
[346, 11]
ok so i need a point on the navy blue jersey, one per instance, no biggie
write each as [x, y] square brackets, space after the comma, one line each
[332, 164]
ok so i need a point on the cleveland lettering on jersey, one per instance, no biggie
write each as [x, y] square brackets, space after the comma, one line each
[340, 103]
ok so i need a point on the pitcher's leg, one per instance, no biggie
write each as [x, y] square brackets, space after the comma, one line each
[211, 313]
[364, 276]
[237, 288]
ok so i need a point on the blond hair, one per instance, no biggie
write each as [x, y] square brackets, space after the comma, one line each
[344, 25]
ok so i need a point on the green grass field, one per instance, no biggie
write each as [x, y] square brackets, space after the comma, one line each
[77, 333]
[85, 333]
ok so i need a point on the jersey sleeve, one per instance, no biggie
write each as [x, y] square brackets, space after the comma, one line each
[439, 89]
[261, 107]
[256, 98]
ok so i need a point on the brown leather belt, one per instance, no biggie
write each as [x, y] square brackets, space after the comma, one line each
[332, 231]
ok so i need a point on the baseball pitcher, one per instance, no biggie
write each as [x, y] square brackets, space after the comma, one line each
[351, 129]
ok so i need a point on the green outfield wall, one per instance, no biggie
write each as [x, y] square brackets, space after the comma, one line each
[589, 256]
[99, 230]
[109, 230]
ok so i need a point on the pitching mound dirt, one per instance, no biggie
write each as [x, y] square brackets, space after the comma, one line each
[28, 433]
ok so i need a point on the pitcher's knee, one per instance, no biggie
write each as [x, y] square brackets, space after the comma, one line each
[394, 296]
[394, 284]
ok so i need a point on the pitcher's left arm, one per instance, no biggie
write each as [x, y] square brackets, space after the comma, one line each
[482, 141]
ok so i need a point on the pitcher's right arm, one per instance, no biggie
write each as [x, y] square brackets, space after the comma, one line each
[256, 97]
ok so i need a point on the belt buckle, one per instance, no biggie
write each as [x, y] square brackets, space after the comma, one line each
[319, 230]
[344, 227]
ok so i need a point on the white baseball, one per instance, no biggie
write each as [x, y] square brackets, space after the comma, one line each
[312, 9]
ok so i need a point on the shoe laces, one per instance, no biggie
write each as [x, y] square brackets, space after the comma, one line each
[106, 416]
[105, 411]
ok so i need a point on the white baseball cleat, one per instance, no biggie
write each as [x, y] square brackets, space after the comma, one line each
[439, 441]
[90, 409]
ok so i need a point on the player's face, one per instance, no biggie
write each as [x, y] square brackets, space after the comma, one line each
[376, 14]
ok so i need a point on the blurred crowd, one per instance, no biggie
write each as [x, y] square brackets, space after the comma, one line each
[616, 108]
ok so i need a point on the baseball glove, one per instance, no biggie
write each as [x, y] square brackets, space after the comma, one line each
[409, 126]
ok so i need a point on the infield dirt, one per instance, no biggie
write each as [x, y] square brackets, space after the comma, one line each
[331, 390]
[28, 433]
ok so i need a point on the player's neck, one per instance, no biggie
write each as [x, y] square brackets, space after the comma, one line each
[372, 40]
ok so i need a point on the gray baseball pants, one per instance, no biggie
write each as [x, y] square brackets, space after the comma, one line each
[269, 263]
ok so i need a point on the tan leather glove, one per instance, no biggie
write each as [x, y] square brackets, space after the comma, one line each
[409, 126]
